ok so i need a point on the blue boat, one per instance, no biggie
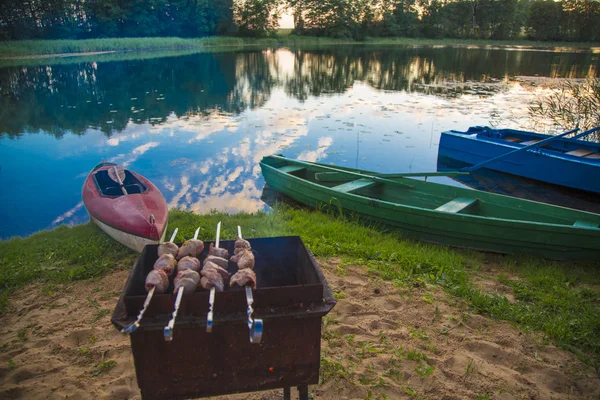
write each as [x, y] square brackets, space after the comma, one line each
[569, 162]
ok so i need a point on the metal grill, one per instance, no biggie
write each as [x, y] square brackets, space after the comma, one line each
[291, 297]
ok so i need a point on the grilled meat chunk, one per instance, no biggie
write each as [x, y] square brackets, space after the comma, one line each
[244, 277]
[188, 262]
[166, 262]
[158, 279]
[188, 279]
[216, 251]
[168, 248]
[220, 261]
[211, 277]
[244, 259]
[192, 247]
[240, 245]
[211, 265]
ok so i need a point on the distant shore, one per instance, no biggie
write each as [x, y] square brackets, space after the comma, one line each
[62, 48]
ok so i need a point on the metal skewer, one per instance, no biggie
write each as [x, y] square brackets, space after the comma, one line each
[173, 235]
[255, 326]
[168, 331]
[136, 324]
[211, 297]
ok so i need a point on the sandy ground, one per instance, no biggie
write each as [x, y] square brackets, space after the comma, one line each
[385, 341]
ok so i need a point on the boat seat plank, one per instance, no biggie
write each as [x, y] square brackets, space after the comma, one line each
[579, 152]
[585, 224]
[512, 139]
[457, 205]
[594, 156]
[530, 142]
[354, 185]
[291, 168]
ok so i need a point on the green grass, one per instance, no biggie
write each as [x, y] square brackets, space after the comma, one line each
[109, 57]
[104, 367]
[62, 255]
[25, 48]
[559, 300]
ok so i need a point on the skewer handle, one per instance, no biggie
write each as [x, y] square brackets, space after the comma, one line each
[240, 232]
[136, 324]
[196, 233]
[168, 332]
[211, 304]
[255, 326]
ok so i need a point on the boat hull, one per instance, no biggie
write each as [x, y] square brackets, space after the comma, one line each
[133, 220]
[134, 242]
[502, 235]
[542, 164]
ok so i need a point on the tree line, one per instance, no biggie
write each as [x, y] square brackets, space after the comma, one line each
[568, 20]
[82, 19]
[571, 20]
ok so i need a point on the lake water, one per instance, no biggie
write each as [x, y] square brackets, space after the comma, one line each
[197, 125]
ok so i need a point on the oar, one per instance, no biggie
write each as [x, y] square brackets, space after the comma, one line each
[582, 134]
[371, 177]
[541, 142]
[343, 176]
[136, 324]
[211, 296]
[255, 326]
[115, 174]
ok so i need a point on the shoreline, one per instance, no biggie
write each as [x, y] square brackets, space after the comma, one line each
[32, 49]
[529, 292]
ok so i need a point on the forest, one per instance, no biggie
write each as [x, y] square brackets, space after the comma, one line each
[542, 20]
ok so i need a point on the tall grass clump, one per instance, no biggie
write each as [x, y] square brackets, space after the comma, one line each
[575, 104]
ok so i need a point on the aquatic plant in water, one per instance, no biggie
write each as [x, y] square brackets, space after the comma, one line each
[575, 104]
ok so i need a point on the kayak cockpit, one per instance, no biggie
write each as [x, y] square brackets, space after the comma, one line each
[108, 187]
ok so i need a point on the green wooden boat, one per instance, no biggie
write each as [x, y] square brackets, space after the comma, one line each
[440, 213]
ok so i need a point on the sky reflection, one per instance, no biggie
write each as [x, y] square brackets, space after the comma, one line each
[363, 115]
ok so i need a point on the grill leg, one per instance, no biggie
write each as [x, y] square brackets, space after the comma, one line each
[303, 392]
[286, 394]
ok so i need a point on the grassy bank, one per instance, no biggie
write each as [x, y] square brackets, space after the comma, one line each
[559, 300]
[27, 48]
[24, 48]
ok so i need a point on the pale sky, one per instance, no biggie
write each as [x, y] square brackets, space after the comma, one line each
[286, 21]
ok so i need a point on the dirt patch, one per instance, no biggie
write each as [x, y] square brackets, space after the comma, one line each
[494, 281]
[379, 339]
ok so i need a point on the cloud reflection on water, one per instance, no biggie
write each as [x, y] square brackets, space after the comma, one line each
[218, 114]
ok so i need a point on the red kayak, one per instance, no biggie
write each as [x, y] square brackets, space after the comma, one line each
[125, 205]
